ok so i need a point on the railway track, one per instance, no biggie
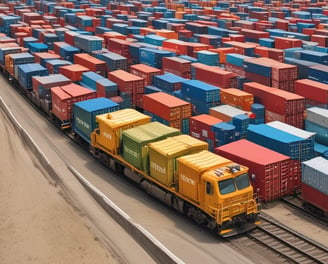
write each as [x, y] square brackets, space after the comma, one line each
[297, 203]
[293, 246]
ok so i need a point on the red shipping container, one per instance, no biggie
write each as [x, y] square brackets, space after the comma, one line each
[92, 63]
[263, 26]
[119, 46]
[61, 104]
[260, 15]
[63, 98]
[28, 17]
[308, 31]
[78, 92]
[268, 170]
[286, 43]
[245, 24]
[127, 82]
[73, 72]
[254, 34]
[258, 78]
[177, 46]
[57, 45]
[282, 24]
[323, 32]
[177, 66]
[276, 54]
[146, 72]
[322, 40]
[315, 197]
[262, 51]
[235, 69]
[69, 37]
[279, 71]
[44, 56]
[237, 37]
[185, 33]
[208, 23]
[215, 75]
[201, 126]
[284, 85]
[296, 120]
[111, 21]
[166, 106]
[112, 34]
[192, 48]
[175, 26]
[312, 90]
[276, 100]
[295, 177]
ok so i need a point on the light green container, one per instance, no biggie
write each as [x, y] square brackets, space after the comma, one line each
[163, 155]
[136, 139]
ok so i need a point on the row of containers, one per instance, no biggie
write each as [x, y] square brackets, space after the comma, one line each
[220, 80]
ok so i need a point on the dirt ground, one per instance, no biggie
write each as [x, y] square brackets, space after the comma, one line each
[36, 224]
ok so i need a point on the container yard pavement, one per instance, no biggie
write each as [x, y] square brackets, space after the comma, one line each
[36, 224]
[104, 228]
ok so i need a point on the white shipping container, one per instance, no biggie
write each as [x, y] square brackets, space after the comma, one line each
[318, 116]
[315, 174]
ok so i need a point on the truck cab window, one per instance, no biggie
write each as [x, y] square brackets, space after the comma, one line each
[209, 189]
[227, 186]
[242, 181]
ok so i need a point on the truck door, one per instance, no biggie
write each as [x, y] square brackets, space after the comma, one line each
[210, 201]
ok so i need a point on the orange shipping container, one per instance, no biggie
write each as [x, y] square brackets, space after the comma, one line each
[238, 98]
[169, 34]
[166, 106]
[177, 46]
[224, 51]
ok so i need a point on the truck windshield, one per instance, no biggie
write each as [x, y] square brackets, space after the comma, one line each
[227, 186]
[242, 181]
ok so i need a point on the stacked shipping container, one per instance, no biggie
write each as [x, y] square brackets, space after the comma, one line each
[232, 44]
[279, 105]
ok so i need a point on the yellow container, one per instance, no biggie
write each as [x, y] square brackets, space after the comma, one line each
[163, 155]
[192, 167]
[194, 143]
[111, 126]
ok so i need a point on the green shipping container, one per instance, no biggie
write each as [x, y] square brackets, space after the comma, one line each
[136, 139]
[163, 155]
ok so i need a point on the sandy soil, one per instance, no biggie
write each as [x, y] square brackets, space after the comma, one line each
[36, 224]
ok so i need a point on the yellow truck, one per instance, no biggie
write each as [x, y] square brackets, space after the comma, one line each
[182, 173]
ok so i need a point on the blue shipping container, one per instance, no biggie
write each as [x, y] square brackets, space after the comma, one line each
[85, 112]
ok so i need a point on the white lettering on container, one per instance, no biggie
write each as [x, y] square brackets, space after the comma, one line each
[194, 134]
[187, 179]
[82, 123]
[131, 152]
[158, 168]
[107, 135]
